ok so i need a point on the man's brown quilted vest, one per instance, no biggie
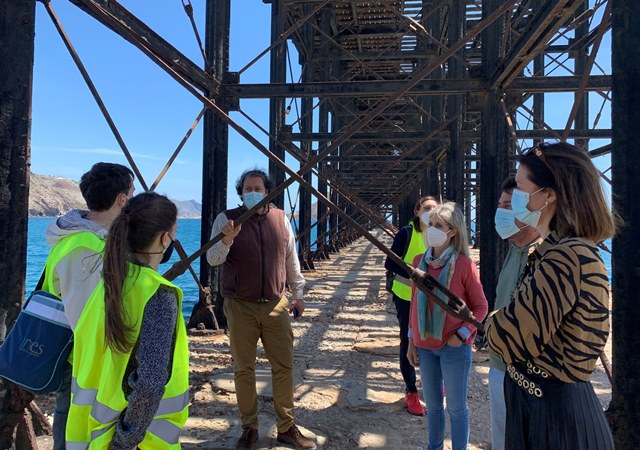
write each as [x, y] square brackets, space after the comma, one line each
[255, 266]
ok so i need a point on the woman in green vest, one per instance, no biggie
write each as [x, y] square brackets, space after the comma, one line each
[130, 385]
[407, 244]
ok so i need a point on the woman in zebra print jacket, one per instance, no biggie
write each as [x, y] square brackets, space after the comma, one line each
[551, 335]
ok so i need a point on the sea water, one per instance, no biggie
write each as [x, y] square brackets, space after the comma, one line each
[189, 236]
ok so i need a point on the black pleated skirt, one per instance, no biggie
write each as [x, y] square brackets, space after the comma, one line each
[567, 416]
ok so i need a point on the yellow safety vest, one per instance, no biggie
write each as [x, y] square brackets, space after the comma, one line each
[97, 398]
[402, 286]
[66, 245]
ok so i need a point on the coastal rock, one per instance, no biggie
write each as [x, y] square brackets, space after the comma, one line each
[52, 196]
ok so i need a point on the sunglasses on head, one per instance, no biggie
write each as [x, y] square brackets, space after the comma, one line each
[538, 151]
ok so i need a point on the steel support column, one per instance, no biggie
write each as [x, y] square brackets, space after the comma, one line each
[306, 124]
[322, 209]
[276, 105]
[538, 99]
[455, 154]
[17, 32]
[580, 60]
[430, 182]
[494, 150]
[215, 145]
[626, 251]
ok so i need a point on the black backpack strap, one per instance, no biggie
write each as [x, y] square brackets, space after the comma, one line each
[41, 280]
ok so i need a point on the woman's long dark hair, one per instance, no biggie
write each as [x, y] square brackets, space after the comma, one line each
[140, 222]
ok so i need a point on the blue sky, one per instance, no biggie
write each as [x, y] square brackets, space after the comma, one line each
[151, 111]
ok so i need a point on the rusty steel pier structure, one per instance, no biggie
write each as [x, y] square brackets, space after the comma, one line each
[391, 100]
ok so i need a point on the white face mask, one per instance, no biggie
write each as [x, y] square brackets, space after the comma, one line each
[436, 237]
[424, 218]
[505, 223]
[519, 202]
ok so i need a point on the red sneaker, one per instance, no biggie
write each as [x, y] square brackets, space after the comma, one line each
[413, 404]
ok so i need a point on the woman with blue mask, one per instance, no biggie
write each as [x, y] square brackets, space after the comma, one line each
[522, 241]
[440, 344]
[553, 332]
[408, 243]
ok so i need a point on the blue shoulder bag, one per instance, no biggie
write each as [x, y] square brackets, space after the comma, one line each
[35, 352]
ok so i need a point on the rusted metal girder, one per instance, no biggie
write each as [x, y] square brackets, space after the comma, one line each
[545, 23]
[337, 187]
[412, 136]
[277, 114]
[20, 417]
[429, 87]
[624, 411]
[420, 278]
[587, 69]
[114, 16]
[95, 94]
[494, 148]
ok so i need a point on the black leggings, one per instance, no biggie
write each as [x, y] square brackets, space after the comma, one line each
[408, 371]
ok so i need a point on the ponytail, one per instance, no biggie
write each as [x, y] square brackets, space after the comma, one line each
[139, 223]
[114, 272]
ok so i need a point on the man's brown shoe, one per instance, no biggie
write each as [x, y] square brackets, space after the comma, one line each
[293, 437]
[248, 439]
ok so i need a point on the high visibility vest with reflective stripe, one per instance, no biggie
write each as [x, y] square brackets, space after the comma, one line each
[65, 246]
[97, 398]
[401, 285]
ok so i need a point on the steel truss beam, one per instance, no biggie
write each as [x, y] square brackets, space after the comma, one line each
[327, 89]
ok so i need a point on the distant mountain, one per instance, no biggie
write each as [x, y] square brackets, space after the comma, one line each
[53, 196]
[188, 209]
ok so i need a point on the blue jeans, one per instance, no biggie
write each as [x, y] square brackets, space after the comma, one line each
[498, 408]
[63, 401]
[451, 365]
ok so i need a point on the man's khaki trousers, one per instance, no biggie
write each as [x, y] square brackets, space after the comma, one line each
[249, 321]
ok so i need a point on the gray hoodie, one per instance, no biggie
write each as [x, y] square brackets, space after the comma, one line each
[78, 273]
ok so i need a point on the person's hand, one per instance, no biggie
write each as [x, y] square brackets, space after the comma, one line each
[416, 275]
[454, 341]
[298, 304]
[230, 232]
[412, 354]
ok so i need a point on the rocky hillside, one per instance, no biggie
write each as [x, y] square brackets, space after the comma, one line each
[53, 196]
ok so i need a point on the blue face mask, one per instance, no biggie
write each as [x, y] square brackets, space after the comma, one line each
[519, 202]
[505, 223]
[251, 199]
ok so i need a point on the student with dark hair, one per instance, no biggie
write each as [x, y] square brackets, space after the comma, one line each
[130, 355]
[73, 267]
[552, 333]
[407, 244]
[258, 260]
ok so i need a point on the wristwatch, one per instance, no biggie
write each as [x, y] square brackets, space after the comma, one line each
[463, 333]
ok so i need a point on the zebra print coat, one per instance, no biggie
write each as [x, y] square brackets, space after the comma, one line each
[559, 319]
